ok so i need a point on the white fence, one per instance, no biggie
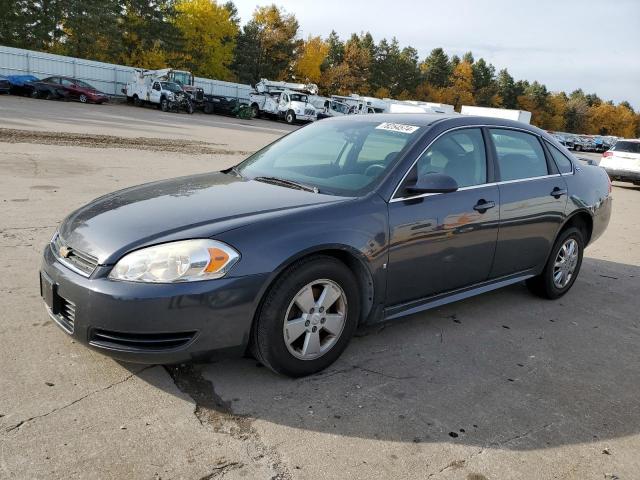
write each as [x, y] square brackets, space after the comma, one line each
[107, 77]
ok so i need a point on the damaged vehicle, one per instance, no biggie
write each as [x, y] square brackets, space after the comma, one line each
[350, 221]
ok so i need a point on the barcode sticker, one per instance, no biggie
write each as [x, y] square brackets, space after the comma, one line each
[397, 127]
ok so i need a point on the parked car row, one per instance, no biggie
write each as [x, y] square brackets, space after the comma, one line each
[585, 143]
[53, 88]
[166, 95]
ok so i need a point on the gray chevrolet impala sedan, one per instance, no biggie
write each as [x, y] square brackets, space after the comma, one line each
[347, 221]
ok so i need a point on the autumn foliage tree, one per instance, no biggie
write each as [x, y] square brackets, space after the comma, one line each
[208, 37]
[308, 64]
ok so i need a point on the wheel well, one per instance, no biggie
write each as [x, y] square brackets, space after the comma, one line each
[359, 269]
[583, 222]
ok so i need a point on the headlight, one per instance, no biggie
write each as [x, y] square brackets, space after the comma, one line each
[184, 261]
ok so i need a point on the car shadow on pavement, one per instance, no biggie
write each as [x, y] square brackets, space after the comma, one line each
[504, 370]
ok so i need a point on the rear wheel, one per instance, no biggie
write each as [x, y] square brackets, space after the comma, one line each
[208, 108]
[136, 101]
[307, 317]
[562, 268]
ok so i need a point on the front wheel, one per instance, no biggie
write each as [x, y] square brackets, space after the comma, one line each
[290, 117]
[164, 105]
[83, 98]
[307, 317]
[562, 268]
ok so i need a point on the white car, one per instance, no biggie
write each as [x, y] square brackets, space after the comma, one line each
[622, 161]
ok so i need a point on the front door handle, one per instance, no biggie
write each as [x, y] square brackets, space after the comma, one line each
[484, 205]
[557, 192]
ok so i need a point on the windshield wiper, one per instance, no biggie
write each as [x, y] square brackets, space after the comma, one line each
[288, 183]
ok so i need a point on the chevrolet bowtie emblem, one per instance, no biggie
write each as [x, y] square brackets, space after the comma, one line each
[64, 251]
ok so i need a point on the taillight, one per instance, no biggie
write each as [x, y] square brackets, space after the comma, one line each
[607, 154]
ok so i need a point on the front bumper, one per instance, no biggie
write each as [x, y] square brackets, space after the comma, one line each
[623, 175]
[154, 323]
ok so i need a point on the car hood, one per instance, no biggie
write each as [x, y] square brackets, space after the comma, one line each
[197, 206]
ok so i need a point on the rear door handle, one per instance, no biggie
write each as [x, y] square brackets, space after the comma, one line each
[558, 192]
[483, 205]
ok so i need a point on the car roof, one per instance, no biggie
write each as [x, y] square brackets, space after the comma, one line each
[431, 119]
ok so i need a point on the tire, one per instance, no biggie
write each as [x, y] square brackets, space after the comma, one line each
[137, 102]
[35, 94]
[290, 117]
[208, 108]
[283, 350]
[255, 111]
[577, 148]
[544, 284]
[190, 108]
[49, 95]
[164, 104]
[83, 98]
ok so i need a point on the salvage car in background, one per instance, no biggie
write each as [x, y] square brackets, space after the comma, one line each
[622, 162]
[221, 104]
[21, 84]
[68, 88]
[352, 220]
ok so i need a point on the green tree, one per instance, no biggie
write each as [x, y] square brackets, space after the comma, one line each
[31, 24]
[148, 37]
[484, 85]
[436, 68]
[90, 30]
[335, 55]
[507, 89]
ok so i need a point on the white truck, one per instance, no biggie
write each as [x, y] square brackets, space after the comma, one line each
[284, 100]
[155, 87]
[517, 115]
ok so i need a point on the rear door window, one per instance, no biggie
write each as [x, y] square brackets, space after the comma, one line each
[520, 154]
[562, 161]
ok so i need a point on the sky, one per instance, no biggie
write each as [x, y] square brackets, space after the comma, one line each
[565, 44]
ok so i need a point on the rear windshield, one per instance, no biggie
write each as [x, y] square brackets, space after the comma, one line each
[629, 147]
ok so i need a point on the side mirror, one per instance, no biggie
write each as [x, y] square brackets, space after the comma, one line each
[433, 183]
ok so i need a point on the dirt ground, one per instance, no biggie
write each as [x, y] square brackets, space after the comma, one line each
[500, 386]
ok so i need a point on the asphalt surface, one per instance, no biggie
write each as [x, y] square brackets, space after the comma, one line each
[504, 385]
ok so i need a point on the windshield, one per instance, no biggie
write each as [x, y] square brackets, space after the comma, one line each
[624, 146]
[296, 97]
[172, 87]
[340, 107]
[340, 157]
[182, 78]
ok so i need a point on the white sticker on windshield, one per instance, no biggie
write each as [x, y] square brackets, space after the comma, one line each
[397, 127]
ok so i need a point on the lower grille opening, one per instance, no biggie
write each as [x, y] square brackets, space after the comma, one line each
[139, 342]
[66, 315]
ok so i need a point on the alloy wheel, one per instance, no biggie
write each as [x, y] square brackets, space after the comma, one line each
[83, 98]
[315, 319]
[565, 263]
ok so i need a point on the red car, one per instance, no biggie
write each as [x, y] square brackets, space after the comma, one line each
[67, 87]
